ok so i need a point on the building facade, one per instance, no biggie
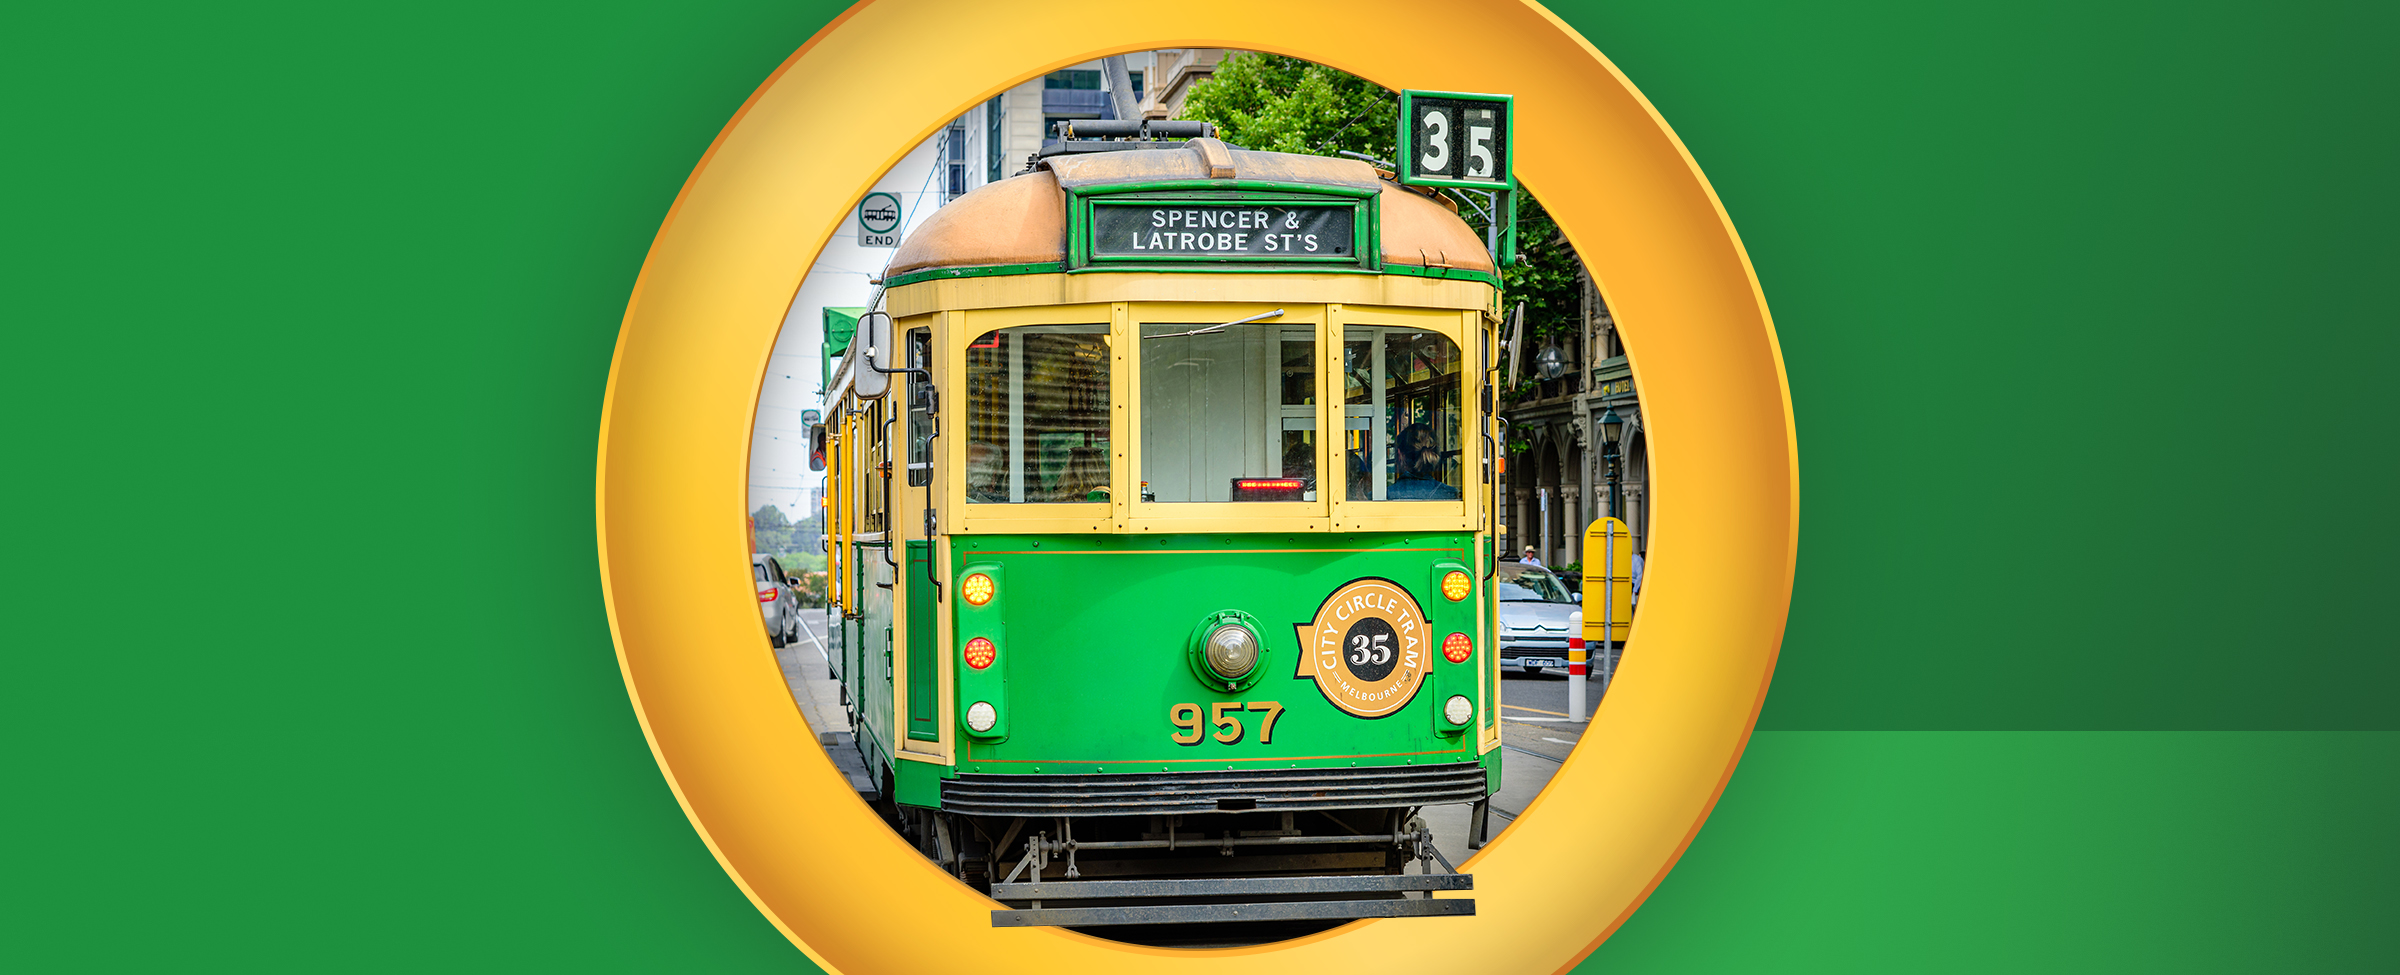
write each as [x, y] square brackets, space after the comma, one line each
[1558, 466]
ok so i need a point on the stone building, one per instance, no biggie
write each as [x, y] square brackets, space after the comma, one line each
[1557, 468]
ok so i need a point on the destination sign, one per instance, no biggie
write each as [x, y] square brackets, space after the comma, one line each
[1239, 231]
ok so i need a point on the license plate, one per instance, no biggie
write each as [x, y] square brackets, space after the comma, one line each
[1540, 662]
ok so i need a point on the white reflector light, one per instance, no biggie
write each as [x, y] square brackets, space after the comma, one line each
[981, 717]
[1458, 709]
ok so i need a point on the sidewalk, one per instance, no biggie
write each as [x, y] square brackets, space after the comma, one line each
[807, 672]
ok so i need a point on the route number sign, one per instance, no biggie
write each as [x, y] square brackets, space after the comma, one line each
[1457, 139]
[879, 220]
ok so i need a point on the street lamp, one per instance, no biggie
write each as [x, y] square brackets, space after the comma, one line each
[1611, 426]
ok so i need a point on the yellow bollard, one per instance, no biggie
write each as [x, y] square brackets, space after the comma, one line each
[1607, 590]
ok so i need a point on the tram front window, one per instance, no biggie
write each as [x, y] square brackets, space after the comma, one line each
[1229, 412]
[1400, 414]
[1037, 415]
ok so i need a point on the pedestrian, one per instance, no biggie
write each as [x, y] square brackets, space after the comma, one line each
[1529, 558]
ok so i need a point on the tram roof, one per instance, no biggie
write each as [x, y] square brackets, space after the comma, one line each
[1022, 220]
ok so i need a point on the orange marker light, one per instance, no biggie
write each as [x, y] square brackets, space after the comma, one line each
[1456, 586]
[1456, 648]
[977, 588]
[981, 653]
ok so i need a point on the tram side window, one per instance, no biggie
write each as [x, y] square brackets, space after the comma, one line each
[1400, 413]
[1229, 412]
[873, 492]
[1037, 415]
[920, 409]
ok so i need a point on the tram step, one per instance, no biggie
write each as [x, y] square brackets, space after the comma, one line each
[1066, 890]
[1084, 917]
[1211, 890]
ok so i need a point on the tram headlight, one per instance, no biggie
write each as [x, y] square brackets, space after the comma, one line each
[1458, 709]
[981, 716]
[1232, 651]
[1225, 652]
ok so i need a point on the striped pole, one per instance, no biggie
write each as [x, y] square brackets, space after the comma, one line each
[1575, 668]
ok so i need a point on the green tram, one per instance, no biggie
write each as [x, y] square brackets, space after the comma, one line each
[1159, 489]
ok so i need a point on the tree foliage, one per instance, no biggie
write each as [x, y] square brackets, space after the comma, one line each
[1545, 279]
[794, 544]
[1283, 104]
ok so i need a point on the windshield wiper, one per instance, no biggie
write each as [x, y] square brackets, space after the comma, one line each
[1277, 313]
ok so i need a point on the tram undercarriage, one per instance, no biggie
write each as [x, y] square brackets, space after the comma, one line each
[1198, 878]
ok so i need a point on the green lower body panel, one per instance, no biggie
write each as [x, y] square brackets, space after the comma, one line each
[920, 783]
[923, 667]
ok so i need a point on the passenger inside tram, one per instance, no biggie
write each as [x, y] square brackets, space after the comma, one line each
[1085, 477]
[987, 476]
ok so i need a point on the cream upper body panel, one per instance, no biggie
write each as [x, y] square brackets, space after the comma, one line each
[1022, 220]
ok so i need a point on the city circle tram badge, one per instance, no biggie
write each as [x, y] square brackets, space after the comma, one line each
[1366, 649]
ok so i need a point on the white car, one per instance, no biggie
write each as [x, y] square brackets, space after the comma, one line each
[1535, 609]
[778, 599]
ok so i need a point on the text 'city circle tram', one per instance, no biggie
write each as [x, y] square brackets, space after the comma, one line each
[1159, 496]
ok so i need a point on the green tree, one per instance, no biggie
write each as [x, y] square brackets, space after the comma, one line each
[771, 532]
[1275, 103]
[1545, 279]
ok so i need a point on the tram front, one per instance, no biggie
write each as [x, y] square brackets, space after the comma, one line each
[1193, 491]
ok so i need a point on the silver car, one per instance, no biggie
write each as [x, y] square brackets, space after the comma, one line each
[1534, 608]
[778, 599]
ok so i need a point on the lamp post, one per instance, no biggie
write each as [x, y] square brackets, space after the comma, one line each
[1610, 428]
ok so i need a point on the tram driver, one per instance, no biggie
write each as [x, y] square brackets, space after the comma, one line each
[1420, 468]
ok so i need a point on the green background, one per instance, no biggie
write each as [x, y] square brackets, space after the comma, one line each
[2084, 304]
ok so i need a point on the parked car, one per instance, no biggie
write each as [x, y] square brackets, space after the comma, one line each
[1534, 617]
[1573, 580]
[778, 599]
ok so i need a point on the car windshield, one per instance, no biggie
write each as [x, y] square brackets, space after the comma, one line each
[1520, 583]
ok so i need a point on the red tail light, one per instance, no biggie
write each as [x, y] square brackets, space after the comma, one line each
[768, 594]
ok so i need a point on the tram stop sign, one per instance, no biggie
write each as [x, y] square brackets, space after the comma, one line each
[1456, 139]
[879, 220]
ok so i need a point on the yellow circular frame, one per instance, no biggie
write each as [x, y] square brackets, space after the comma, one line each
[779, 181]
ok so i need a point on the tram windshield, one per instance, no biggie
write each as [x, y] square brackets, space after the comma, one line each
[1400, 411]
[1037, 415]
[1229, 412]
